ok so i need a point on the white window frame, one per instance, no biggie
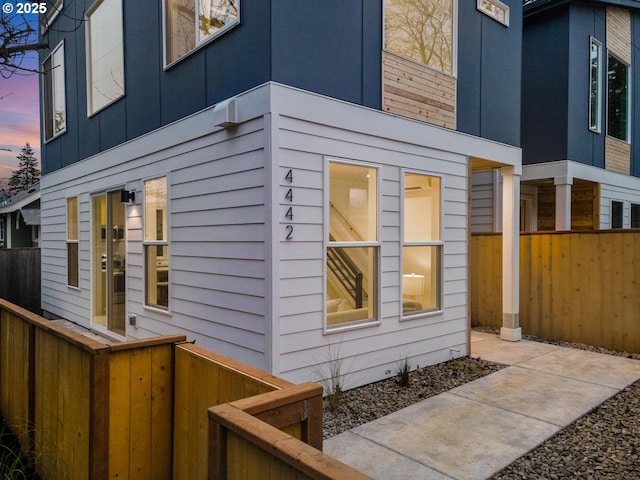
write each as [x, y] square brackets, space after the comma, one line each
[454, 47]
[198, 44]
[49, 97]
[91, 110]
[627, 138]
[155, 243]
[595, 126]
[375, 320]
[75, 241]
[432, 243]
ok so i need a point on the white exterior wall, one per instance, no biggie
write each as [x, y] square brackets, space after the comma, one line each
[237, 285]
[485, 208]
[216, 190]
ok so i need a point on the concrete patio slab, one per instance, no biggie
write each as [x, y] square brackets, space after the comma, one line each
[368, 457]
[550, 398]
[475, 430]
[491, 348]
[455, 436]
[609, 370]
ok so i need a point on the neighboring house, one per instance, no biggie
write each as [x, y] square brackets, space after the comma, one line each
[20, 219]
[580, 116]
[285, 182]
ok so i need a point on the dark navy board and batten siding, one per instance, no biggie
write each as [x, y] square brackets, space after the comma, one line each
[489, 70]
[333, 48]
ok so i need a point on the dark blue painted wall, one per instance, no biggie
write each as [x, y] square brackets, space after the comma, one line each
[545, 87]
[555, 106]
[333, 47]
[584, 145]
[489, 73]
[334, 50]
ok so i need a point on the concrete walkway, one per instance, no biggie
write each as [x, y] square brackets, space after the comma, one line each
[475, 430]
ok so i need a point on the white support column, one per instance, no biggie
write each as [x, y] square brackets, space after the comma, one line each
[511, 254]
[563, 202]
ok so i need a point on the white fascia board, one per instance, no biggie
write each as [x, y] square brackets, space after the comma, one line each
[347, 116]
[571, 170]
[289, 101]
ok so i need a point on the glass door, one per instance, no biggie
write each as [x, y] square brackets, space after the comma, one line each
[108, 262]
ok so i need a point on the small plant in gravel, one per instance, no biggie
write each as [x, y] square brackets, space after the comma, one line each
[333, 383]
[403, 373]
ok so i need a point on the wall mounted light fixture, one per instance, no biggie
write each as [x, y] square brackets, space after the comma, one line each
[127, 196]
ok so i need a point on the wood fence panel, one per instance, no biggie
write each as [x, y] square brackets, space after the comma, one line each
[486, 281]
[574, 286]
[20, 281]
[204, 379]
[14, 370]
[140, 406]
[61, 417]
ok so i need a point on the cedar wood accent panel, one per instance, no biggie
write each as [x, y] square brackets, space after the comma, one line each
[617, 152]
[417, 91]
[585, 206]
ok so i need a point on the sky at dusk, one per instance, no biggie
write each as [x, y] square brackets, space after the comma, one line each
[19, 116]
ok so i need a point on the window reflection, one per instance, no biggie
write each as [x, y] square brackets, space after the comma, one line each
[106, 54]
[421, 30]
[192, 22]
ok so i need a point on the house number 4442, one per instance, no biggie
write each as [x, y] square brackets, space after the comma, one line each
[288, 198]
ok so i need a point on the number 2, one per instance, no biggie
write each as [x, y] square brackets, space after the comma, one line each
[289, 229]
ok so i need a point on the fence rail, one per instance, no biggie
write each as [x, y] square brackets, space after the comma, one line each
[140, 409]
[574, 286]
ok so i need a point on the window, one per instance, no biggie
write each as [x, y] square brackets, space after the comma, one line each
[616, 214]
[105, 54]
[352, 249]
[595, 73]
[55, 114]
[618, 99]
[72, 242]
[191, 23]
[156, 246]
[54, 7]
[635, 215]
[422, 245]
[422, 30]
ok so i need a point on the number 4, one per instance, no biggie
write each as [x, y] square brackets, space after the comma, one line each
[289, 176]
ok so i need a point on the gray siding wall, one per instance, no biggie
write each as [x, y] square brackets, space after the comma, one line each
[217, 234]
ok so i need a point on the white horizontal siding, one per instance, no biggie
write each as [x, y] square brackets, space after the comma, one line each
[217, 235]
[305, 350]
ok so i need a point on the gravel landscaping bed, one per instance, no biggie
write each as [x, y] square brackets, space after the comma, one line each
[602, 445]
[364, 404]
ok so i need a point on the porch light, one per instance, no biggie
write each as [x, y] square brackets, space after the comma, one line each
[412, 285]
[127, 196]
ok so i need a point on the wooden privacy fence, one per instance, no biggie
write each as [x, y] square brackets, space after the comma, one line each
[575, 286]
[140, 409]
[20, 281]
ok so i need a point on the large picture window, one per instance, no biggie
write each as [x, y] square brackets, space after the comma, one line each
[595, 74]
[105, 54]
[190, 23]
[422, 245]
[156, 245]
[618, 99]
[352, 249]
[422, 30]
[55, 112]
